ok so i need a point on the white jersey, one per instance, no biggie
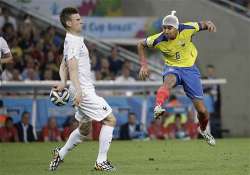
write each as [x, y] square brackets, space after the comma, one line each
[4, 48]
[74, 47]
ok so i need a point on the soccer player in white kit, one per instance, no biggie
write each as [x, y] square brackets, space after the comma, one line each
[88, 105]
[5, 54]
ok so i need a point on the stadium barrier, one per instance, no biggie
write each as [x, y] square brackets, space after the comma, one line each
[114, 92]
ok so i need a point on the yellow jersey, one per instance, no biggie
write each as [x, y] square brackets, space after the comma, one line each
[180, 52]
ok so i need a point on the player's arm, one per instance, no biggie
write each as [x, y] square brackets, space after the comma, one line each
[144, 72]
[73, 74]
[207, 25]
[7, 56]
[63, 72]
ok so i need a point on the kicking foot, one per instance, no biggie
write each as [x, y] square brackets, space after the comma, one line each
[56, 160]
[104, 166]
[158, 111]
[208, 137]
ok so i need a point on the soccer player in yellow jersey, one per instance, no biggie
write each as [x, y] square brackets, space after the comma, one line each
[175, 43]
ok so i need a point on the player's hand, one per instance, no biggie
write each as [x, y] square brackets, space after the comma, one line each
[144, 72]
[210, 26]
[59, 87]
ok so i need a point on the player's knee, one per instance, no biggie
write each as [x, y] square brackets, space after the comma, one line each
[110, 120]
[84, 128]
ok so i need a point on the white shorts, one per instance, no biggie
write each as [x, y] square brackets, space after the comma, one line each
[92, 107]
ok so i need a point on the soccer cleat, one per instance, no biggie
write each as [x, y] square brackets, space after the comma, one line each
[158, 111]
[56, 160]
[104, 166]
[208, 137]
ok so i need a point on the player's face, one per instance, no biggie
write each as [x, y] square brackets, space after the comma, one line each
[170, 31]
[76, 23]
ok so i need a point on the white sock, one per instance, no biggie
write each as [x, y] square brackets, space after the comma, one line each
[105, 139]
[73, 140]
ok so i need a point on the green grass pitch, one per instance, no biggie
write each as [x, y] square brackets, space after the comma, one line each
[172, 157]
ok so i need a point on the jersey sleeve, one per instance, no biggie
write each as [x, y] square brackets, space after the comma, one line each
[150, 41]
[194, 26]
[4, 46]
[70, 50]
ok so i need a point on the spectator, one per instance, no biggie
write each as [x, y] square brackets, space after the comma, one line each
[73, 124]
[8, 132]
[15, 48]
[38, 53]
[8, 32]
[96, 129]
[51, 38]
[173, 102]
[95, 62]
[177, 129]
[125, 77]
[105, 73]
[50, 132]
[213, 90]
[3, 109]
[16, 76]
[156, 130]
[31, 71]
[48, 75]
[6, 18]
[131, 130]
[7, 74]
[114, 62]
[25, 129]
[191, 126]
[3, 113]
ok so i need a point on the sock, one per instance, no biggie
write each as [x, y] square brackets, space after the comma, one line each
[105, 139]
[73, 140]
[162, 95]
[203, 121]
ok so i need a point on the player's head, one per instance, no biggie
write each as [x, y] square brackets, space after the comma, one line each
[170, 25]
[210, 70]
[71, 19]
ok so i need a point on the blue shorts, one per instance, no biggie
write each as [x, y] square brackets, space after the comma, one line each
[188, 77]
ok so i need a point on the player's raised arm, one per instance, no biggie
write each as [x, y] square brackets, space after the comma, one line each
[144, 72]
[207, 25]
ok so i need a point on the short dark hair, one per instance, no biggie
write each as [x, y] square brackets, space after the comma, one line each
[210, 66]
[131, 113]
[65, 15]
[24, 113]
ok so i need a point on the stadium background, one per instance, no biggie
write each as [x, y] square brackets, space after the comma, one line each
[121, 23]
[227, 50]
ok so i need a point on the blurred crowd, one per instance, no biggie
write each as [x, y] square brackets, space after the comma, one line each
[171, 126]
[37, 53]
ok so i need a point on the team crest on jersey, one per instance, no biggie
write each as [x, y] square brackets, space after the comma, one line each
[181, 43]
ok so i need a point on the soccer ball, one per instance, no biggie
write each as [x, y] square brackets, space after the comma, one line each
[59, 98]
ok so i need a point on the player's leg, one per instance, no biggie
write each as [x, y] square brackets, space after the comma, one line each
[192, 86]
[74, 139]
[105, 139]
[163, 93]
[203, 117]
